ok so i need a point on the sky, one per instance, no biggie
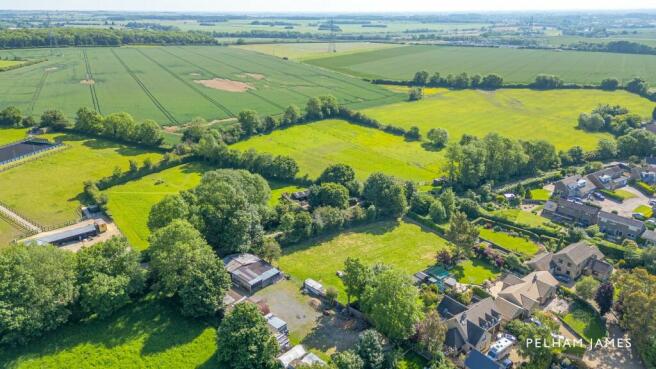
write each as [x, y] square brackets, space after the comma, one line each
[283, 6]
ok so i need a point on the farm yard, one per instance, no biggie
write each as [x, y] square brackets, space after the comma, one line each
[514, 65]
[404, 245]
[319, 144]
[49, 190]
[172, 85]
[519, 114]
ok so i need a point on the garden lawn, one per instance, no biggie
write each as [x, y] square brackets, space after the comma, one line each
[8, 135]
[130, 203]
[405, 245]
[522, 217]
[585, 321]
[509, 242]
[49, 190]
[619, 195]
[645, 210]
[515, 113]
[317, 145]
[514, 65]
[474, 271]
[148, 334]
[540, 194]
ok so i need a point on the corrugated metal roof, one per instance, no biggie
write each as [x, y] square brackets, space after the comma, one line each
[64, 235]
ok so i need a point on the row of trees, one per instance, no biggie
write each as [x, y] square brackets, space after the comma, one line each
[44, 287]
[473, 161]
[63, 37]
[118, 126]
[458, 81]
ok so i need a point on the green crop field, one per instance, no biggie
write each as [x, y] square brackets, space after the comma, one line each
[8, 135]
[319, 144]
[148, 334]
[129, 204]
[509, 242]
[405, 245]
[514, 65]
[519, 114]
[164, 83]
[49, 190]
[314, 50]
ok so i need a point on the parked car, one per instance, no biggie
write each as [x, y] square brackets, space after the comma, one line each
[638, 216]
[651, 221]
[652, 202]
[563, 278]
[507, 364]
[598, 196]
[535, 321]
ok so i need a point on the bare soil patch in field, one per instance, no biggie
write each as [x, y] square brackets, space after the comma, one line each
[194, 74]
[255, 76]
[51, 69]
[225, 85]
[87, 82]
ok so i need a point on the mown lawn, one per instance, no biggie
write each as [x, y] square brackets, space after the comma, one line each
[518, 114]
[585, 321]
[509, 242]
[130, 203]
[474, 271]
[404, 245]
[523, 217]
[645, 210]
[619, 195]
[8, 135]
[319, 144]
[540, 194]
[149, 334]
[49, 190]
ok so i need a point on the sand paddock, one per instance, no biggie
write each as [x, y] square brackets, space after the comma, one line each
[225, 85]
[87, 82]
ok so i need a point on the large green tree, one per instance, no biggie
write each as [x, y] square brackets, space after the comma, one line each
[329, 194]
[109, 275]
[370, 349]
[37, 290]
[342, 174]
[185, 267]
[245, 341]
[392, 304]
[347, 360]
[386, 194]
[462, 233]
[356, 277]
[170, 208]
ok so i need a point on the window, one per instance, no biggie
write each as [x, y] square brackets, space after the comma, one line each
[569, 264]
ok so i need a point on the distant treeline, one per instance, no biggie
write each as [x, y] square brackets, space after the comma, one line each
[623, 47]
[461, 81]
[301, 35]
[61, 37]
[149, 25]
